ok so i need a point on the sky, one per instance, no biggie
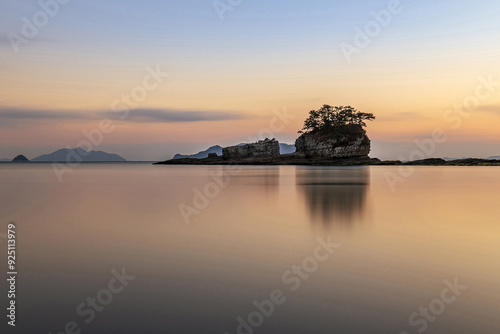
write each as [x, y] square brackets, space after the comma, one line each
[148, 79]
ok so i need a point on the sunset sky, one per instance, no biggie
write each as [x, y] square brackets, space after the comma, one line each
[227, 79]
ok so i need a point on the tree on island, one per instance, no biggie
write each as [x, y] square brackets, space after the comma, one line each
[330, 119]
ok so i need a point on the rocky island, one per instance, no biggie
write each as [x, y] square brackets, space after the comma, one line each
[346, 142]
[20, 158]
[332, 136]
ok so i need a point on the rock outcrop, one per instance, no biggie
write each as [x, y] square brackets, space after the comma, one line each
[264, 148]
[347, 142]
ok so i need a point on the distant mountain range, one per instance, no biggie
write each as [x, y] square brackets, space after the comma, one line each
[496, 157]
[201, 155]
[78, 154]
[5, 160]
[287, 148]
[284, 149]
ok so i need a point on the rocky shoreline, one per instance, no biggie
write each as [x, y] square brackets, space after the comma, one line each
[297, 159]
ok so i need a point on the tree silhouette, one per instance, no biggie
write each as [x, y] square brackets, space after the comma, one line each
[328, 118]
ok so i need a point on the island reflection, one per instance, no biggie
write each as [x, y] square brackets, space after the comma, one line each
[334, 196]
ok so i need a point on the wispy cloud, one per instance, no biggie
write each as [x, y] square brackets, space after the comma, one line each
[175, 116]
[11, 114]
[8, 116]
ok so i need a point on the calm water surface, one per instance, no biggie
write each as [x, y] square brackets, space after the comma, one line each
[200, 262]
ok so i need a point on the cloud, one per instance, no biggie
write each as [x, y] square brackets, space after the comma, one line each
[11, 113]
[17, 116]
[174, 116]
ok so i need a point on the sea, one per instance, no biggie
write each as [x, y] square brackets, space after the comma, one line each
[139, 248]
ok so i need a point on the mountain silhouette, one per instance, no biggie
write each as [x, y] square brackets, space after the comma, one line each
[20, 158]
[78, 155]
[201, 155]
[287, 148]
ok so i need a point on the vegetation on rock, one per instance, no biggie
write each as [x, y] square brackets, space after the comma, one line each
[328, 119]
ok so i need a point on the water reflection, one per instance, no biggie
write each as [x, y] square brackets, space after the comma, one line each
[334, 196]
[265, 179]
